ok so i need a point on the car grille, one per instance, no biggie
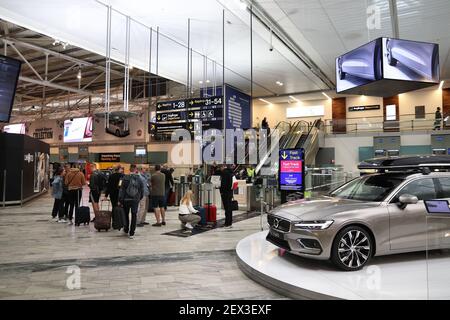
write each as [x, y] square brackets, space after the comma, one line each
[278, 242]
[283, 225]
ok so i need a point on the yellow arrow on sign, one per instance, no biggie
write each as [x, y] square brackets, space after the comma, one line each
[153, 126]
[284, 155]
[191, 102]
[190, 127]
[191, 114]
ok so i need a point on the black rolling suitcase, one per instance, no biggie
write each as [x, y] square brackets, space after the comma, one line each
[82, 214]
[118, 218]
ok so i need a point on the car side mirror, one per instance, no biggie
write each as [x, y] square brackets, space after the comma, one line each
[406, 199]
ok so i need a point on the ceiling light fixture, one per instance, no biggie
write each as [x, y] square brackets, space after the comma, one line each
[207, 81]
[242, 4]
[79, 74]
[294, 98]
[327, 96]
[441, 85]
[279, 83]
[201, 82]
[260, 99]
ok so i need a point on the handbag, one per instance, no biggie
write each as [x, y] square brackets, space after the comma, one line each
[234, 205]
[234, 184]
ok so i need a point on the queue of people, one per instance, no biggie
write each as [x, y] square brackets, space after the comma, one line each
[136, 193]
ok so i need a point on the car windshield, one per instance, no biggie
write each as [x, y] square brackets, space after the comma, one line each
[368, 188]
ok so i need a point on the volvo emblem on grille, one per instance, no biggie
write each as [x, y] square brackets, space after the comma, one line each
[276, 223]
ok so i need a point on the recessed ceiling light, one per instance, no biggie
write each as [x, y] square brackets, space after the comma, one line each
[201, 82]
[207, 81]
[279, 83]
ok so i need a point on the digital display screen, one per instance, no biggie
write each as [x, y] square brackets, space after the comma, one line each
[410, 60]
[15, 128]
[141, 152]
[359, 66]
[437, 206]
[9, 75]
[291, 173]
[78, 130]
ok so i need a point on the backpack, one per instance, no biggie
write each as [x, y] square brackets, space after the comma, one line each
[133, 188]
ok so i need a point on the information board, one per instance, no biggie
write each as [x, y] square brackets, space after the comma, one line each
[291, 170]
[194, 114]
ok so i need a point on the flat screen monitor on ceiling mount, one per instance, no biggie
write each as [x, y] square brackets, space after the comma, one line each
[18, 128]
[386, 67]
[78, 130]
[9, 75]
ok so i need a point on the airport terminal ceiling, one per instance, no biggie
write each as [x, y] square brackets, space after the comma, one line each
[316, 31]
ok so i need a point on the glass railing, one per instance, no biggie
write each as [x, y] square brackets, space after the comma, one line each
[407, 122]
[322, 180]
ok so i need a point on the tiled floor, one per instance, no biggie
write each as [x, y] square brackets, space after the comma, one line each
[39, 259]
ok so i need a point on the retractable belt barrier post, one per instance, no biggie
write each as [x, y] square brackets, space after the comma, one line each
[4, 188]
[21, 188]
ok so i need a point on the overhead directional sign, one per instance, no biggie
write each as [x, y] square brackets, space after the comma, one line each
[195, 115]
[201, 102]
[171, 105]
[291, 170]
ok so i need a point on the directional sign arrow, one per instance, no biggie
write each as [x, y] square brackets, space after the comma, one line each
[191, 102]
[190, 126]
[191, 114]
[284, 155]
[159, 118]
[153, 126]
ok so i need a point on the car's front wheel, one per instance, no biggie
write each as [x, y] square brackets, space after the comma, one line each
[352, 248]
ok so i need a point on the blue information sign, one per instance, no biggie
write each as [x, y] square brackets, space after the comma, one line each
[291, 170]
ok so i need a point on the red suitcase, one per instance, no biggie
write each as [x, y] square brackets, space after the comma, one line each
[211, 213]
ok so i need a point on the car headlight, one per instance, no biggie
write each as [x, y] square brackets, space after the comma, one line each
[314, 225]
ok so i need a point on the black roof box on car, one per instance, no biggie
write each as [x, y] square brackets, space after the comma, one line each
[407, 163]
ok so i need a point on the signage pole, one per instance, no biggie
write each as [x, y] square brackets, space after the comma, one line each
[225, 113]
[188, 57]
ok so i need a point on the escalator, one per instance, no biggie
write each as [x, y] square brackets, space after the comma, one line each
[299, 134]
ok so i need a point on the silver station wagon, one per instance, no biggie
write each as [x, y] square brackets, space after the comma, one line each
[373, 215]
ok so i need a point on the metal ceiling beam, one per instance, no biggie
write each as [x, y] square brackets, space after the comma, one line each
[12, 41]
[394, 18]
[26, 61]
[55, 86]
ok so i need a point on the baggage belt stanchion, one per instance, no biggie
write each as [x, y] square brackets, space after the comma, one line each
[21, 188]
[4, 188]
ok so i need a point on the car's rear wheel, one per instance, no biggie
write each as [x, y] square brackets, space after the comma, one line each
[352, 248]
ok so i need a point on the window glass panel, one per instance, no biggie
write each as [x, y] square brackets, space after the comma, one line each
[423, 189]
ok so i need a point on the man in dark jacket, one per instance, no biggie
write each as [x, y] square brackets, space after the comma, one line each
[169, 183]
[113, 187]
[130, 194]
[226, 192]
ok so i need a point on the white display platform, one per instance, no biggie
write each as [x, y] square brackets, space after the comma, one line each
[402, 276]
